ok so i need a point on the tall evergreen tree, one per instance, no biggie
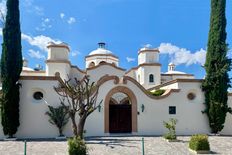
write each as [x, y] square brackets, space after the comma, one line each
[217, 65]
[11, 67]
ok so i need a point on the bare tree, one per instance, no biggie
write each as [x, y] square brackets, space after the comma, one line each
[81, 97]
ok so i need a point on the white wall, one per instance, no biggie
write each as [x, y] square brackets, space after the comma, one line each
[34, 123]
[97, 73]
[58, 53]
[148, 57]
[145, 71]
[62, 68]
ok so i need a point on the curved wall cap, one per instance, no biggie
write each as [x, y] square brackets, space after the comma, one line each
[167, 92]
[106, 64]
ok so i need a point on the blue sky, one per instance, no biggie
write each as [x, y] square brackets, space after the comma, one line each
[179, 28]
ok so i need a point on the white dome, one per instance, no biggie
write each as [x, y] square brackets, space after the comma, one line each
[100, 51]
[175, 72]
[171, 64]
[27, 69]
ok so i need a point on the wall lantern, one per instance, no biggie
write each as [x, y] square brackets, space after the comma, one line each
[142, 107]
[99, 108]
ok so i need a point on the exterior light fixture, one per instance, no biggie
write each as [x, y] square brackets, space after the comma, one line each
[142, 107]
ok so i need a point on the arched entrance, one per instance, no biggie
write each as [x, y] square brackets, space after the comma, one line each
[120, 111]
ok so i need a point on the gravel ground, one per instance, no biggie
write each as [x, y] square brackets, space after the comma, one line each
[116, 146]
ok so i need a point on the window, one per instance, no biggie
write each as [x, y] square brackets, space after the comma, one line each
[38, 95]
[102, 62]
[151, 78]
[92, 64]
[191, 96]
[172, 110]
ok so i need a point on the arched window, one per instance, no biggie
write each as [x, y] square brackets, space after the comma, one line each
[151, 78]
[92, 64]
[102, 62]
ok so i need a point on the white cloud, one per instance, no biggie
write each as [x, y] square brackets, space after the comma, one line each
[45, 24]
[71, 20]
[75, 53]
[35, 54]
[30, 7]
[62, 15]
[46, 20]
[148, 45]
[130, 59]
[40, 41]
[3, 9]
[182, 55]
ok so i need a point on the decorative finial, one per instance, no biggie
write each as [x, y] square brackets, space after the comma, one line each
[102, 45]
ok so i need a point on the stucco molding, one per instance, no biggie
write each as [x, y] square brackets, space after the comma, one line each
[106, 78]
[167, 92]
[101, 58]
[58, 61]
[105, 64]
[177, 81]
[26, 71]
[177, 75]
[106, 55]
[47, 78]
[59, 46]
[148, 50]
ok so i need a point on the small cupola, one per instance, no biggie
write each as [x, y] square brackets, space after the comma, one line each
[171, 66]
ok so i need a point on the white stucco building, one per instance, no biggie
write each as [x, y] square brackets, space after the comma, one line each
[128, 106]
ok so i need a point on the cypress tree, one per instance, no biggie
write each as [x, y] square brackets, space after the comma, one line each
[217, 65]
[11, 67]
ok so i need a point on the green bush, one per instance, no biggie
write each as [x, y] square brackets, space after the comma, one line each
[170, 136]
[171, 126]
[158, 92]
[77, 146]
[199, 143]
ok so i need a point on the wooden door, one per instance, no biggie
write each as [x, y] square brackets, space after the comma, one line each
[120, 119]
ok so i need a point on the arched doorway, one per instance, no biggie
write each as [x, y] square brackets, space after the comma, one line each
[120, 111]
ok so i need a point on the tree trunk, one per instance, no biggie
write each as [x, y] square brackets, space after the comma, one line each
[74, 125]
[60, 132]
[81, 125]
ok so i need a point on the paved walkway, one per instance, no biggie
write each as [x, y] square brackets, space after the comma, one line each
[116, 146]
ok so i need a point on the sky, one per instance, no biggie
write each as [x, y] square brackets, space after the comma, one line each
[179, 28]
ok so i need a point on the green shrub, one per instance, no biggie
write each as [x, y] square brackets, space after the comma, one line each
[171, 126]
[158, 92]
[77, 146]
[199, 143]
[170, 136]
